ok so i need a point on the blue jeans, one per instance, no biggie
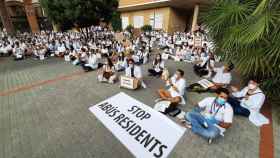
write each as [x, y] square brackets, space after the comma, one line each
[197, 121]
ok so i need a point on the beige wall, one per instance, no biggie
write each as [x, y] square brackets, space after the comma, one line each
[173, 19]
[180, 19]
[147, 13]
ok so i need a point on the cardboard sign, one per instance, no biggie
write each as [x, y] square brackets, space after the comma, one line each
[129, 83]
[197, 41]
[145, 132]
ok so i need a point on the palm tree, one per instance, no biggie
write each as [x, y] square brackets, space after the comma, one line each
[7, 23]
[248, 34]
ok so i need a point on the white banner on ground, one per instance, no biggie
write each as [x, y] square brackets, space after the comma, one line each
[145, 132]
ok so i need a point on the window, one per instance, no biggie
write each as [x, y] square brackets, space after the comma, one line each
[125, 22]
[156, 20]
[138, 21]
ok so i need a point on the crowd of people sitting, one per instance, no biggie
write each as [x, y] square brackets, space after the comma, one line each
[101, 50]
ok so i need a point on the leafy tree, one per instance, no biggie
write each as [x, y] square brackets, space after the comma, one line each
[116, 21]
[248, 33]
[147, 28]
[79, 13]
[129, 28]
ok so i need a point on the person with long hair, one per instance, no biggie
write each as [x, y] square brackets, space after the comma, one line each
[107, 72]
[158, 66]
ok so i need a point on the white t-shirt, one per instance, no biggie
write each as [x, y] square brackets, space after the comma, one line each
[221, 114]
[221, 77]
[181, 86]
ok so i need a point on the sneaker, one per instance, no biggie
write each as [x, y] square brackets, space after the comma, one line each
[205, 125]
[210, 141]
[158, 100]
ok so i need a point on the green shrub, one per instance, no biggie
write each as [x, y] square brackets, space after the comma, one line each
[147, 28]
[129, 28]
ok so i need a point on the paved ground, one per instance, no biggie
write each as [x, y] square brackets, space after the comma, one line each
[52, 120]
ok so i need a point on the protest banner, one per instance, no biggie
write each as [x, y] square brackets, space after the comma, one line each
[142, 130]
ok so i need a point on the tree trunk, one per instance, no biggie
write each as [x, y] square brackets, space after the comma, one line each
[31, 16]
[6, 20]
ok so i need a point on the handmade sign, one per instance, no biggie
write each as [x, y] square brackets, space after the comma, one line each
[129, 83]
[145, 132]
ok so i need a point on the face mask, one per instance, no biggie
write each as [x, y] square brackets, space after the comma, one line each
[251, 86]
[221, 101]
[130, 65]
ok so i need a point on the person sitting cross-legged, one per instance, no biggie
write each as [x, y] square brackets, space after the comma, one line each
[158, 66]
[107, 72]
[176, 91]
[212, 116]
[92, 63]
[249, 99]
[135, 72]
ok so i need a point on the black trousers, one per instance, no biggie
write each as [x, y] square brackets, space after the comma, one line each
[154, 73]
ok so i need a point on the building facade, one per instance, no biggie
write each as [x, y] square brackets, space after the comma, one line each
[167, 15]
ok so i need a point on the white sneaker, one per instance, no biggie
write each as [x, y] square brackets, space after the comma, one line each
[143, 85]
[205, 124]
[210, 141]
[158, 100]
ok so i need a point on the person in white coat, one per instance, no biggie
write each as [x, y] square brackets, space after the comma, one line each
[92, 63]
[135, 72]
[249, 99]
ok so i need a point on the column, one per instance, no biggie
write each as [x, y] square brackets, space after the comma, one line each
[195, 16]
[31, 16]
[5, 18]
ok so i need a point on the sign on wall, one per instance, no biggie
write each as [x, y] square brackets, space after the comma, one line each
[145, 132]
[197, 41]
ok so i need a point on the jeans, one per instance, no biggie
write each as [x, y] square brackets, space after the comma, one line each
[197, 121]
[237, 108]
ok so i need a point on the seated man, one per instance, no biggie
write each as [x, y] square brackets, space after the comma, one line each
[92, 63]
[221, 79]
[212, 116]
[176, 91]
[135, 72]
[249, 99]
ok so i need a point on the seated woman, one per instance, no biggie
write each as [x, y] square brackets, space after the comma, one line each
[179, 54]
[107, 72]
[175, 91]
[249, 99]
[120, 65]
[204, 65]
[61, 49]
[158, 66]
[135, 72]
